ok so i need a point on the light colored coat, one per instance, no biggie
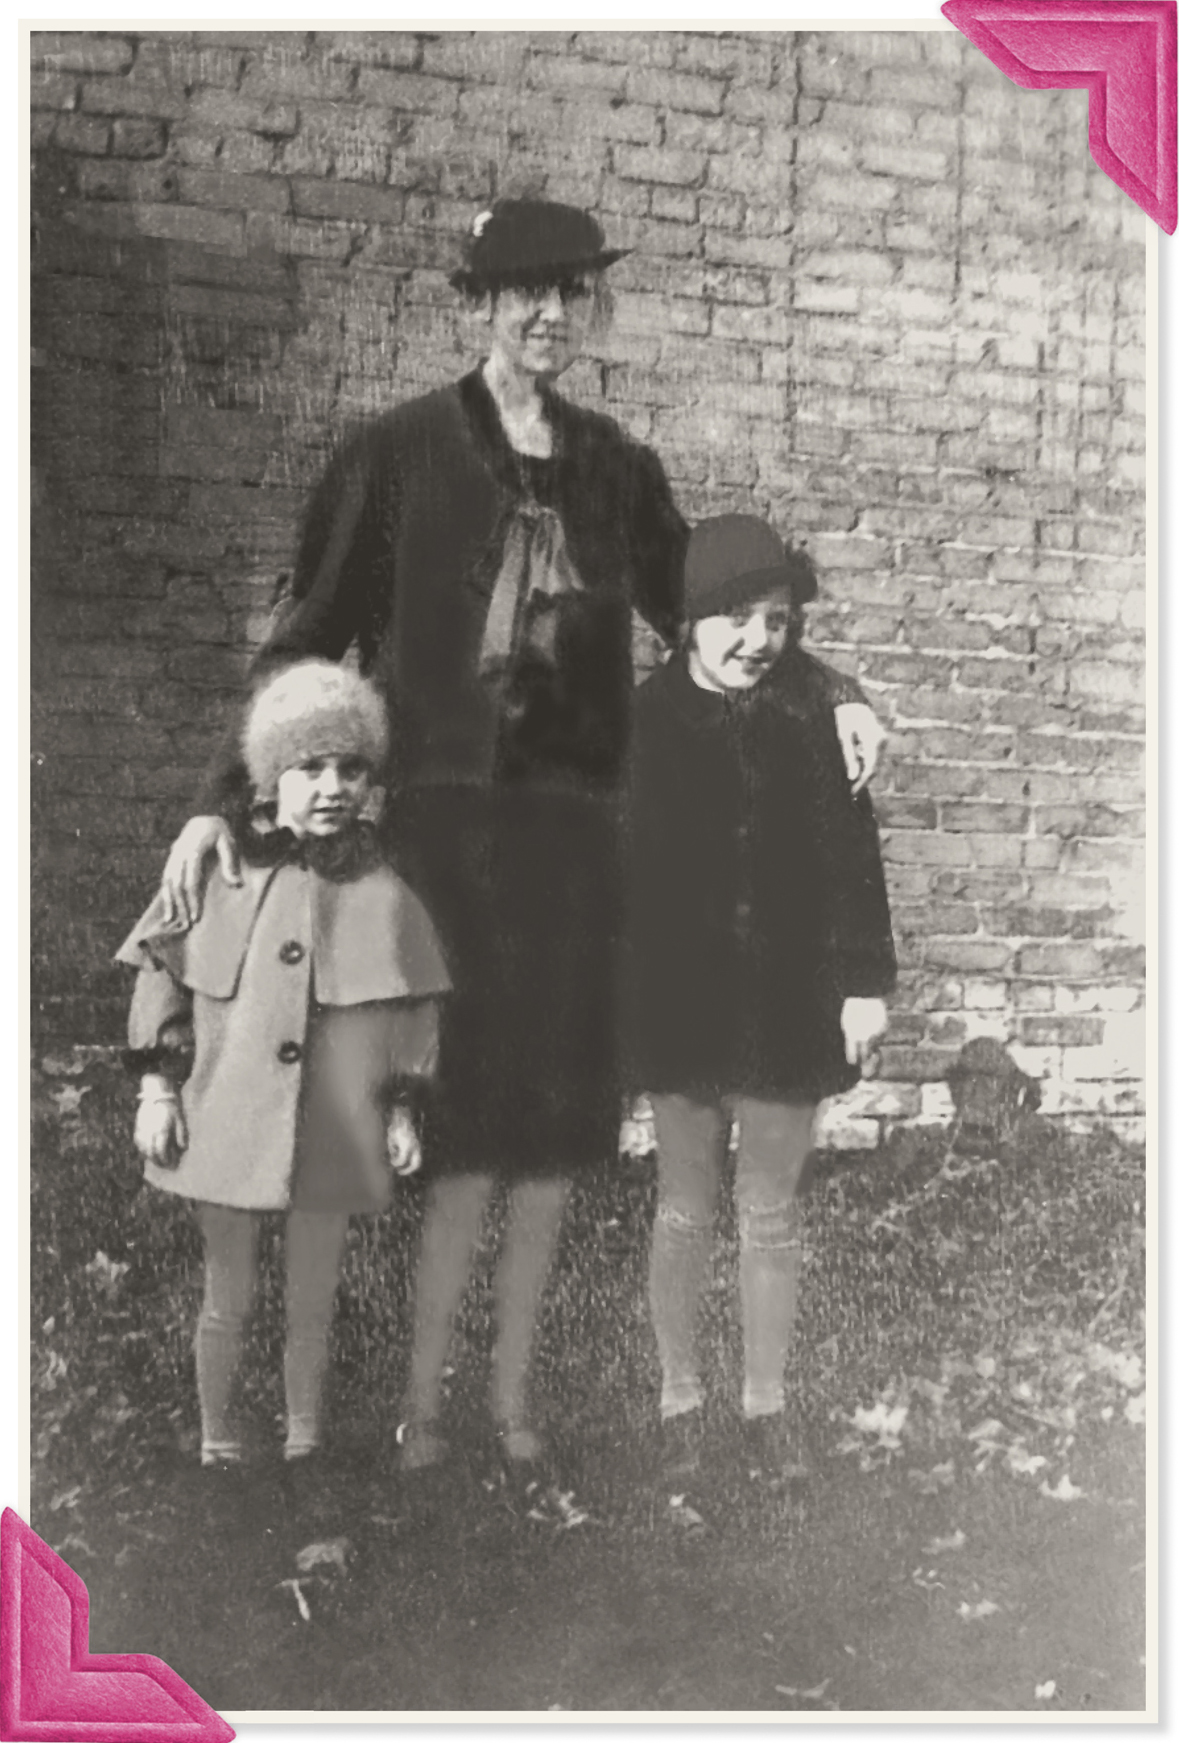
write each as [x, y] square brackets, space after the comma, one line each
[307, 1002]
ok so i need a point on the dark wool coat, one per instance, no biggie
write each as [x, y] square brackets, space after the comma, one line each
[400, 553]
[757, 896]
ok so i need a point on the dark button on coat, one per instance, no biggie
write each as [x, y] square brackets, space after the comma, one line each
[757, 895]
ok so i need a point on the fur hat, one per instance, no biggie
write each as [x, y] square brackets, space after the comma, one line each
[313, 709]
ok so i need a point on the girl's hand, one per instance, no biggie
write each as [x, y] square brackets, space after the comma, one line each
[182, 887]
[404, 1145]
[863, 1021]
[861, 738]
[161, 1135]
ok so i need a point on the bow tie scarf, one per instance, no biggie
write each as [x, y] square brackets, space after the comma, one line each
[535, 574]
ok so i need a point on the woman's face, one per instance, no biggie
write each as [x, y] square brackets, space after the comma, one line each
[541, 332]
[734, 651]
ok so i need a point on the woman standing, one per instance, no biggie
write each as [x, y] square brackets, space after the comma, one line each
[483, 546]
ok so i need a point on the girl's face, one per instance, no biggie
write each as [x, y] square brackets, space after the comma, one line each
[323, 794]
[735, 651]
[541, 332]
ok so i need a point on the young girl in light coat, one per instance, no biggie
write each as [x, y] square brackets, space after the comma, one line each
[280, 1038]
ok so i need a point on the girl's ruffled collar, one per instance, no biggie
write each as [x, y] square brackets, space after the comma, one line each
[339, 858]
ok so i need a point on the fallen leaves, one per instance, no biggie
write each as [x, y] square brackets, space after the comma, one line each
[931, 1482]
[1065, 1490]
[940, 1545]
[684, 1514]
[815, 1694]
[333, 1552]
[295, 1587]
[106, 1272]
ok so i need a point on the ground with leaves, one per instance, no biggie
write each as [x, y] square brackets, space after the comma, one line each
[970, 1354]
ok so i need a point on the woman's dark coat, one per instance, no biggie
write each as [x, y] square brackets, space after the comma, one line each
[757, 900]
[400, 552]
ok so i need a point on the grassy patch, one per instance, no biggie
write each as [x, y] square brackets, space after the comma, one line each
[970, 1353]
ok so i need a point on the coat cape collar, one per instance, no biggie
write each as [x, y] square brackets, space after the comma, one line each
[371, 938]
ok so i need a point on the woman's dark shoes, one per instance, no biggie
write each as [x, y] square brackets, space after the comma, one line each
[425, 1469]
[681, 1449]
[421, 1446]
[530, 1480]
[775, 1452]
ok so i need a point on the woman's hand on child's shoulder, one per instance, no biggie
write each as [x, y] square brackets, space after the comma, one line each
[404, 1145]
[182, 887]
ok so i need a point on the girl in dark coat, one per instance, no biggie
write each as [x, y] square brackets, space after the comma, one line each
[484, 548]
[760, 951]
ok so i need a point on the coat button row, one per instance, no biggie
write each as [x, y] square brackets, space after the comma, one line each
[292, 951]
[290, 1052]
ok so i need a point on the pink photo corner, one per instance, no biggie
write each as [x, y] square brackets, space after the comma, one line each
[51, 1686]
[1122, 51]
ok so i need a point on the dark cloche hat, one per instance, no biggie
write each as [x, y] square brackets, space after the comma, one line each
[736, 559]
[531, 242]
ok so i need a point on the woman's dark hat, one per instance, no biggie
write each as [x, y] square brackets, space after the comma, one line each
[521, 242]
[736, 559]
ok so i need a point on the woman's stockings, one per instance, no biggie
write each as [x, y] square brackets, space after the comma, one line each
[535, 1210]
[454, 1220]
[454, 1217]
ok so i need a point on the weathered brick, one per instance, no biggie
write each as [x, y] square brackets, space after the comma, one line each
[53, 90]
[211, 107]
[89, 134]
[83, 52]
[135, 137]
[674, 90]
[192, 224]
[657, 164]
[347, 200]
[282, 73]
[415, 92]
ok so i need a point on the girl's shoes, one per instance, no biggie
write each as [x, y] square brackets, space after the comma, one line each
[528, 1476]
[307, 1490]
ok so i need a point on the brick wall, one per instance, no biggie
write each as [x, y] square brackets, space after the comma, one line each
[878, 293]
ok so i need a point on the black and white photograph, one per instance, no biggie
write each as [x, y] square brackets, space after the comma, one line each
[591, 626]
